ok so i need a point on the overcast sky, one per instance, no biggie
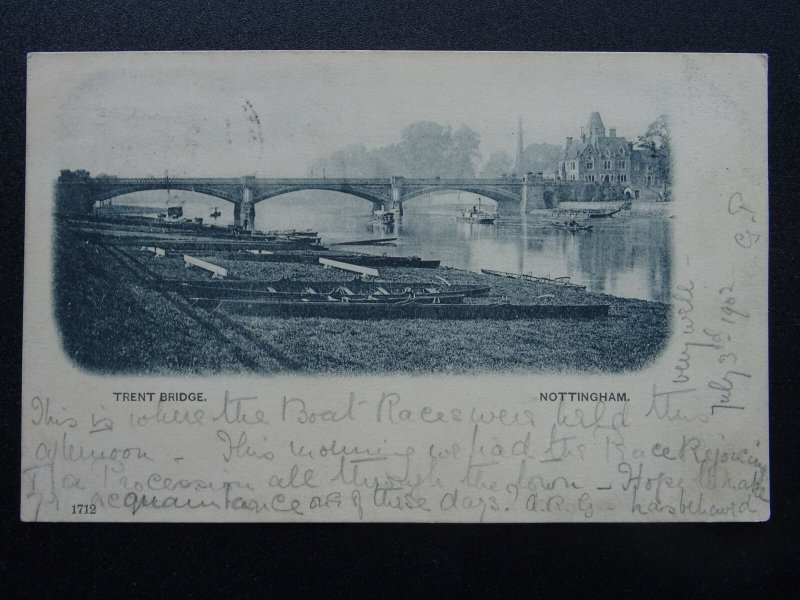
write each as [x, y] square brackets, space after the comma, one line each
[274, 113]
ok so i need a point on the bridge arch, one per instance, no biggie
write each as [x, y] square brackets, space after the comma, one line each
[106, 194]
[498, 195]
[368, 195]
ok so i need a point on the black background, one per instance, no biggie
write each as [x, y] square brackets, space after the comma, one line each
[148, 560]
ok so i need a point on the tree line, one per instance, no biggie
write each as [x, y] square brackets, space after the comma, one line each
[428, 149]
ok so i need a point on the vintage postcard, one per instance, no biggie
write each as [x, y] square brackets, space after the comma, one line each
[395, 286]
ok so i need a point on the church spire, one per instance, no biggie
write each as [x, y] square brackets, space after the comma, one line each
[519, 168]
[595, 127]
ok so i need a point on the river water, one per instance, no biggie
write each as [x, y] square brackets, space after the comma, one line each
[628, 255]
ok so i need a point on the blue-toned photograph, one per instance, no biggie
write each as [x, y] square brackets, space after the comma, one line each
[354, 214]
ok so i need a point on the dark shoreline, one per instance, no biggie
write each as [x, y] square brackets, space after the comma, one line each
[113, 322]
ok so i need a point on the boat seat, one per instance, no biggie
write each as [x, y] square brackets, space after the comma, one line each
[381, 291]
[432, 290]
[309, 290]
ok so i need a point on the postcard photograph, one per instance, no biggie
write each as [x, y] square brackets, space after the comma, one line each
[362, 215]
[395, 286]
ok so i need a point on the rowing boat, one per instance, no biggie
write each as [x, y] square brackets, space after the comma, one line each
[291, 288]
[362, 260]
[593, 213]
[559, 281]
[405, 309]
[369, 242]
[608, 213]
[571, 225]
[369, 260]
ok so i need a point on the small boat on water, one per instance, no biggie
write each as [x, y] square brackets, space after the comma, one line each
[476, 215]
[382, 218]
[401, 309]
[215, 213]
[385, 217]
[559, 281]
[609, 213]
[594, 213]
[174, 212]
[571, 225]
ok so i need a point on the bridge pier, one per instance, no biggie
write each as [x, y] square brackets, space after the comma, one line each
[532, 193]
[396, 193]
[74, 192]
[244, 212]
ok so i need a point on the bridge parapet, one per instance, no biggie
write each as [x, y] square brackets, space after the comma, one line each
[78, 191]
[464, 180]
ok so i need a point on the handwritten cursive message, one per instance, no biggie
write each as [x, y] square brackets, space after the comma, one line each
[552, 456]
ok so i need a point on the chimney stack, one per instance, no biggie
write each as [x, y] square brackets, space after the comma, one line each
[612, 132]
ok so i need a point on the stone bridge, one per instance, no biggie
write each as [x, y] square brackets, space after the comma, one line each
[77, 191]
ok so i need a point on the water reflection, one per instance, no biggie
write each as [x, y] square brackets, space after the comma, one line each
[628, 255]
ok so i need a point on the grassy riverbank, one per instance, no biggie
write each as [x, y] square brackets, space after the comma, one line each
[112, 321]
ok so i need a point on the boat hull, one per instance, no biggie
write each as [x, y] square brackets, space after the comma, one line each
[478, 220]
[194, 245]
[572, 227]
[292, 288]
[362, 260]
[409, 310]
[558, 281]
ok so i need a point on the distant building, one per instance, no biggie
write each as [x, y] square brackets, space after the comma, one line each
[610, 160]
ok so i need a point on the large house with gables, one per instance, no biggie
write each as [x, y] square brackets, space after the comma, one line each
[610, 161]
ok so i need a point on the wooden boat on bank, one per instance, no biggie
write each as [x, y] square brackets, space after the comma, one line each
[209, 296]
[291, 288]
[312, 256]
[308, 257]
[237, 233]
[369, 242]
[559, 281]
[207, 245]
[294, 233]
[403, 309]
[370, 260]
[152, 224]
